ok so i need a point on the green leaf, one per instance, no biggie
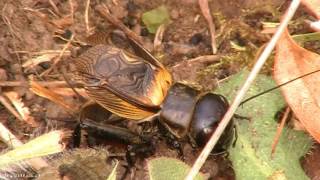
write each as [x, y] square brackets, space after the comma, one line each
[302, 38]
[154, 18]
[43, 145]
[164, 168]
[251, 157]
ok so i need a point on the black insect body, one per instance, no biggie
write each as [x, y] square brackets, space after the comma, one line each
[186, 112]
[209, 110]
[138, 88]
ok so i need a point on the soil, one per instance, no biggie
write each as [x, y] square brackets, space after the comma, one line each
[30, 28]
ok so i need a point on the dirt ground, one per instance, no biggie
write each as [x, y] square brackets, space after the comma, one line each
[31, 29]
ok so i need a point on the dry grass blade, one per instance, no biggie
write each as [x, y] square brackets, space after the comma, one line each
[43, 145]
[13, 142]
[43, 52]
[55, 8]
[9, 107]
[21, 108]
[7, 137]
[236, 102]
[204, 6]
[158, 38]
[86, 17]
[44, 92]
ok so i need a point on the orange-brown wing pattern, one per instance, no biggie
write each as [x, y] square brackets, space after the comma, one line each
[117, 105]
[123, 83]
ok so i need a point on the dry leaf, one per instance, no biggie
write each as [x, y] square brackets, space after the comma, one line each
[32, 62]
[56, 98]
[32, 151]
[313, 6]
[302, 95]
[68, 92]
[23, 111]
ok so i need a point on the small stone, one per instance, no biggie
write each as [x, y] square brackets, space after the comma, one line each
[144, 31]
[196, 39]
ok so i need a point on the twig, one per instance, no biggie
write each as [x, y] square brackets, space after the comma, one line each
[42, 16]
[42, 52]
[86, 17]
[71, 9]
[42, 83]
[103, 10]
[204, 6]
[200, 59]
[65, 77]
[55, 8]
[227, 117]
[115, 2]
[9, 107]
[66, 46]
[279, 130]
[66, 40]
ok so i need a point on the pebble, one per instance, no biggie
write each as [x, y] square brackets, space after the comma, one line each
[196, 39]
[144, 31]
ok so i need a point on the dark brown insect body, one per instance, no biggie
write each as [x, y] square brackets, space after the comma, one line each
[139, 87]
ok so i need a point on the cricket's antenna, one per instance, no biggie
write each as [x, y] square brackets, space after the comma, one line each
[276, 87]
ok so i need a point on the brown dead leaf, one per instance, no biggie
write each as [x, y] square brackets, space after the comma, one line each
[313, 6]
[56, 98]
[23, 111]
[302, 95]
[68, 92]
